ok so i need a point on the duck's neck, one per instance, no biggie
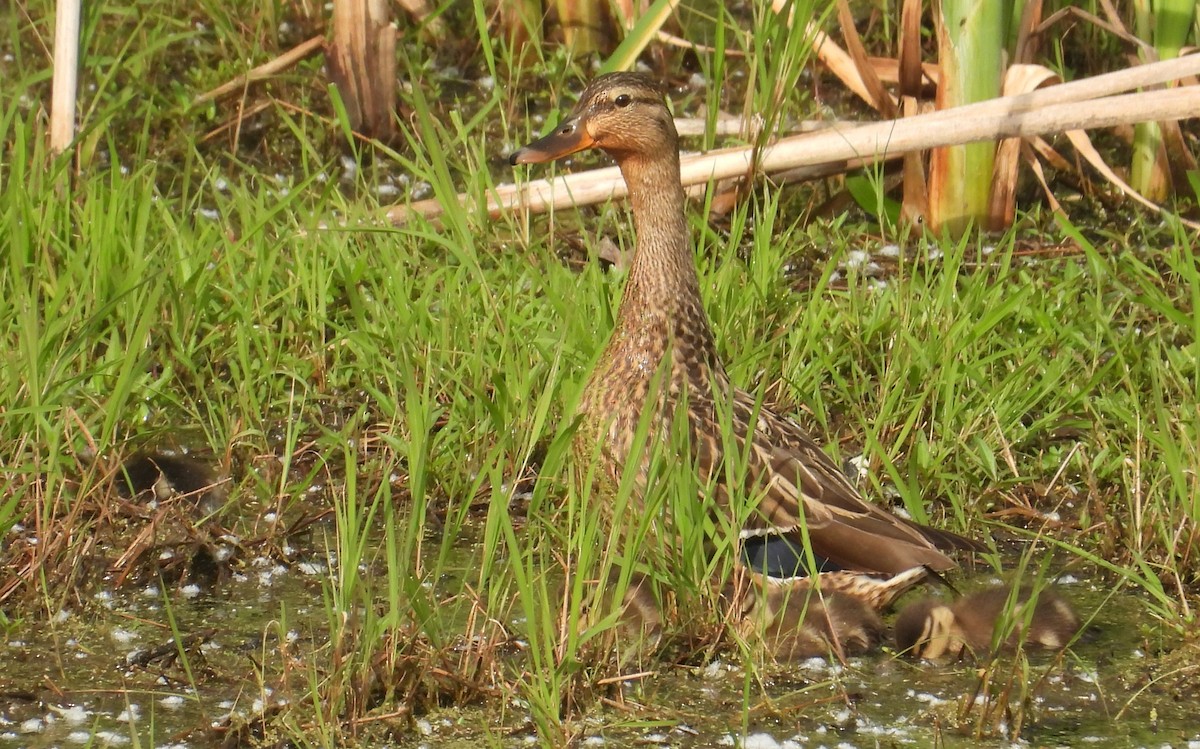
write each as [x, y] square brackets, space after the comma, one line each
[662, 290]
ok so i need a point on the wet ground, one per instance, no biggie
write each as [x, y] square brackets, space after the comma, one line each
[109, 673]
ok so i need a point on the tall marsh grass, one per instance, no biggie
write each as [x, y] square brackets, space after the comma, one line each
[425, 377]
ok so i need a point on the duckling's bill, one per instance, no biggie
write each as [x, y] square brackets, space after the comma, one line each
[568, 138]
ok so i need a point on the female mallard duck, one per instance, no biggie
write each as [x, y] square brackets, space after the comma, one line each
[662, 331]
[928, 629]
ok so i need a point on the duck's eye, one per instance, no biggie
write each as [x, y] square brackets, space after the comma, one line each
[567, 129]
[623, 100]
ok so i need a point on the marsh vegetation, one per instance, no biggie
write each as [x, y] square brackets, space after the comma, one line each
[366, 526]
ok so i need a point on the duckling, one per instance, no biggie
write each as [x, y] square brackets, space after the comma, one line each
[929, 629]
[160, 476]
[801, 617]
[638, 611]
[639, 625]
[662, 330]
[796, 622]
[641, 614]
[837, 623]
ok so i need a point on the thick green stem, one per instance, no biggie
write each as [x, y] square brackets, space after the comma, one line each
[970, 48]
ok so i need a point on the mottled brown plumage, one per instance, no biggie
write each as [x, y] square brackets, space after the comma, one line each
[662, 354]
[878, 593]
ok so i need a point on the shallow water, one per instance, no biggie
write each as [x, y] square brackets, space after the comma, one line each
[109, 670]
[85, 677]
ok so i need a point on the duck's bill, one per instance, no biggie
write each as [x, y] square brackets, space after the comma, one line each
[568, 138]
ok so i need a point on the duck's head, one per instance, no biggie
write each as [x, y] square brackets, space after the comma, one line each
[622, 114]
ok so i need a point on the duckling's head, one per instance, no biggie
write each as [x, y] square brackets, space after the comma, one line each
[622, 114]
[927, 629]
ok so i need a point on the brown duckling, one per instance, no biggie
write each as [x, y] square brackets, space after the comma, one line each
[161, 476]
[931, 629]
[638, 627]
[837, 624]
[639, 611]
[798, 621]
[662, 329]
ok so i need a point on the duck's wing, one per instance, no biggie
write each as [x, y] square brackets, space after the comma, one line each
[802, 491]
